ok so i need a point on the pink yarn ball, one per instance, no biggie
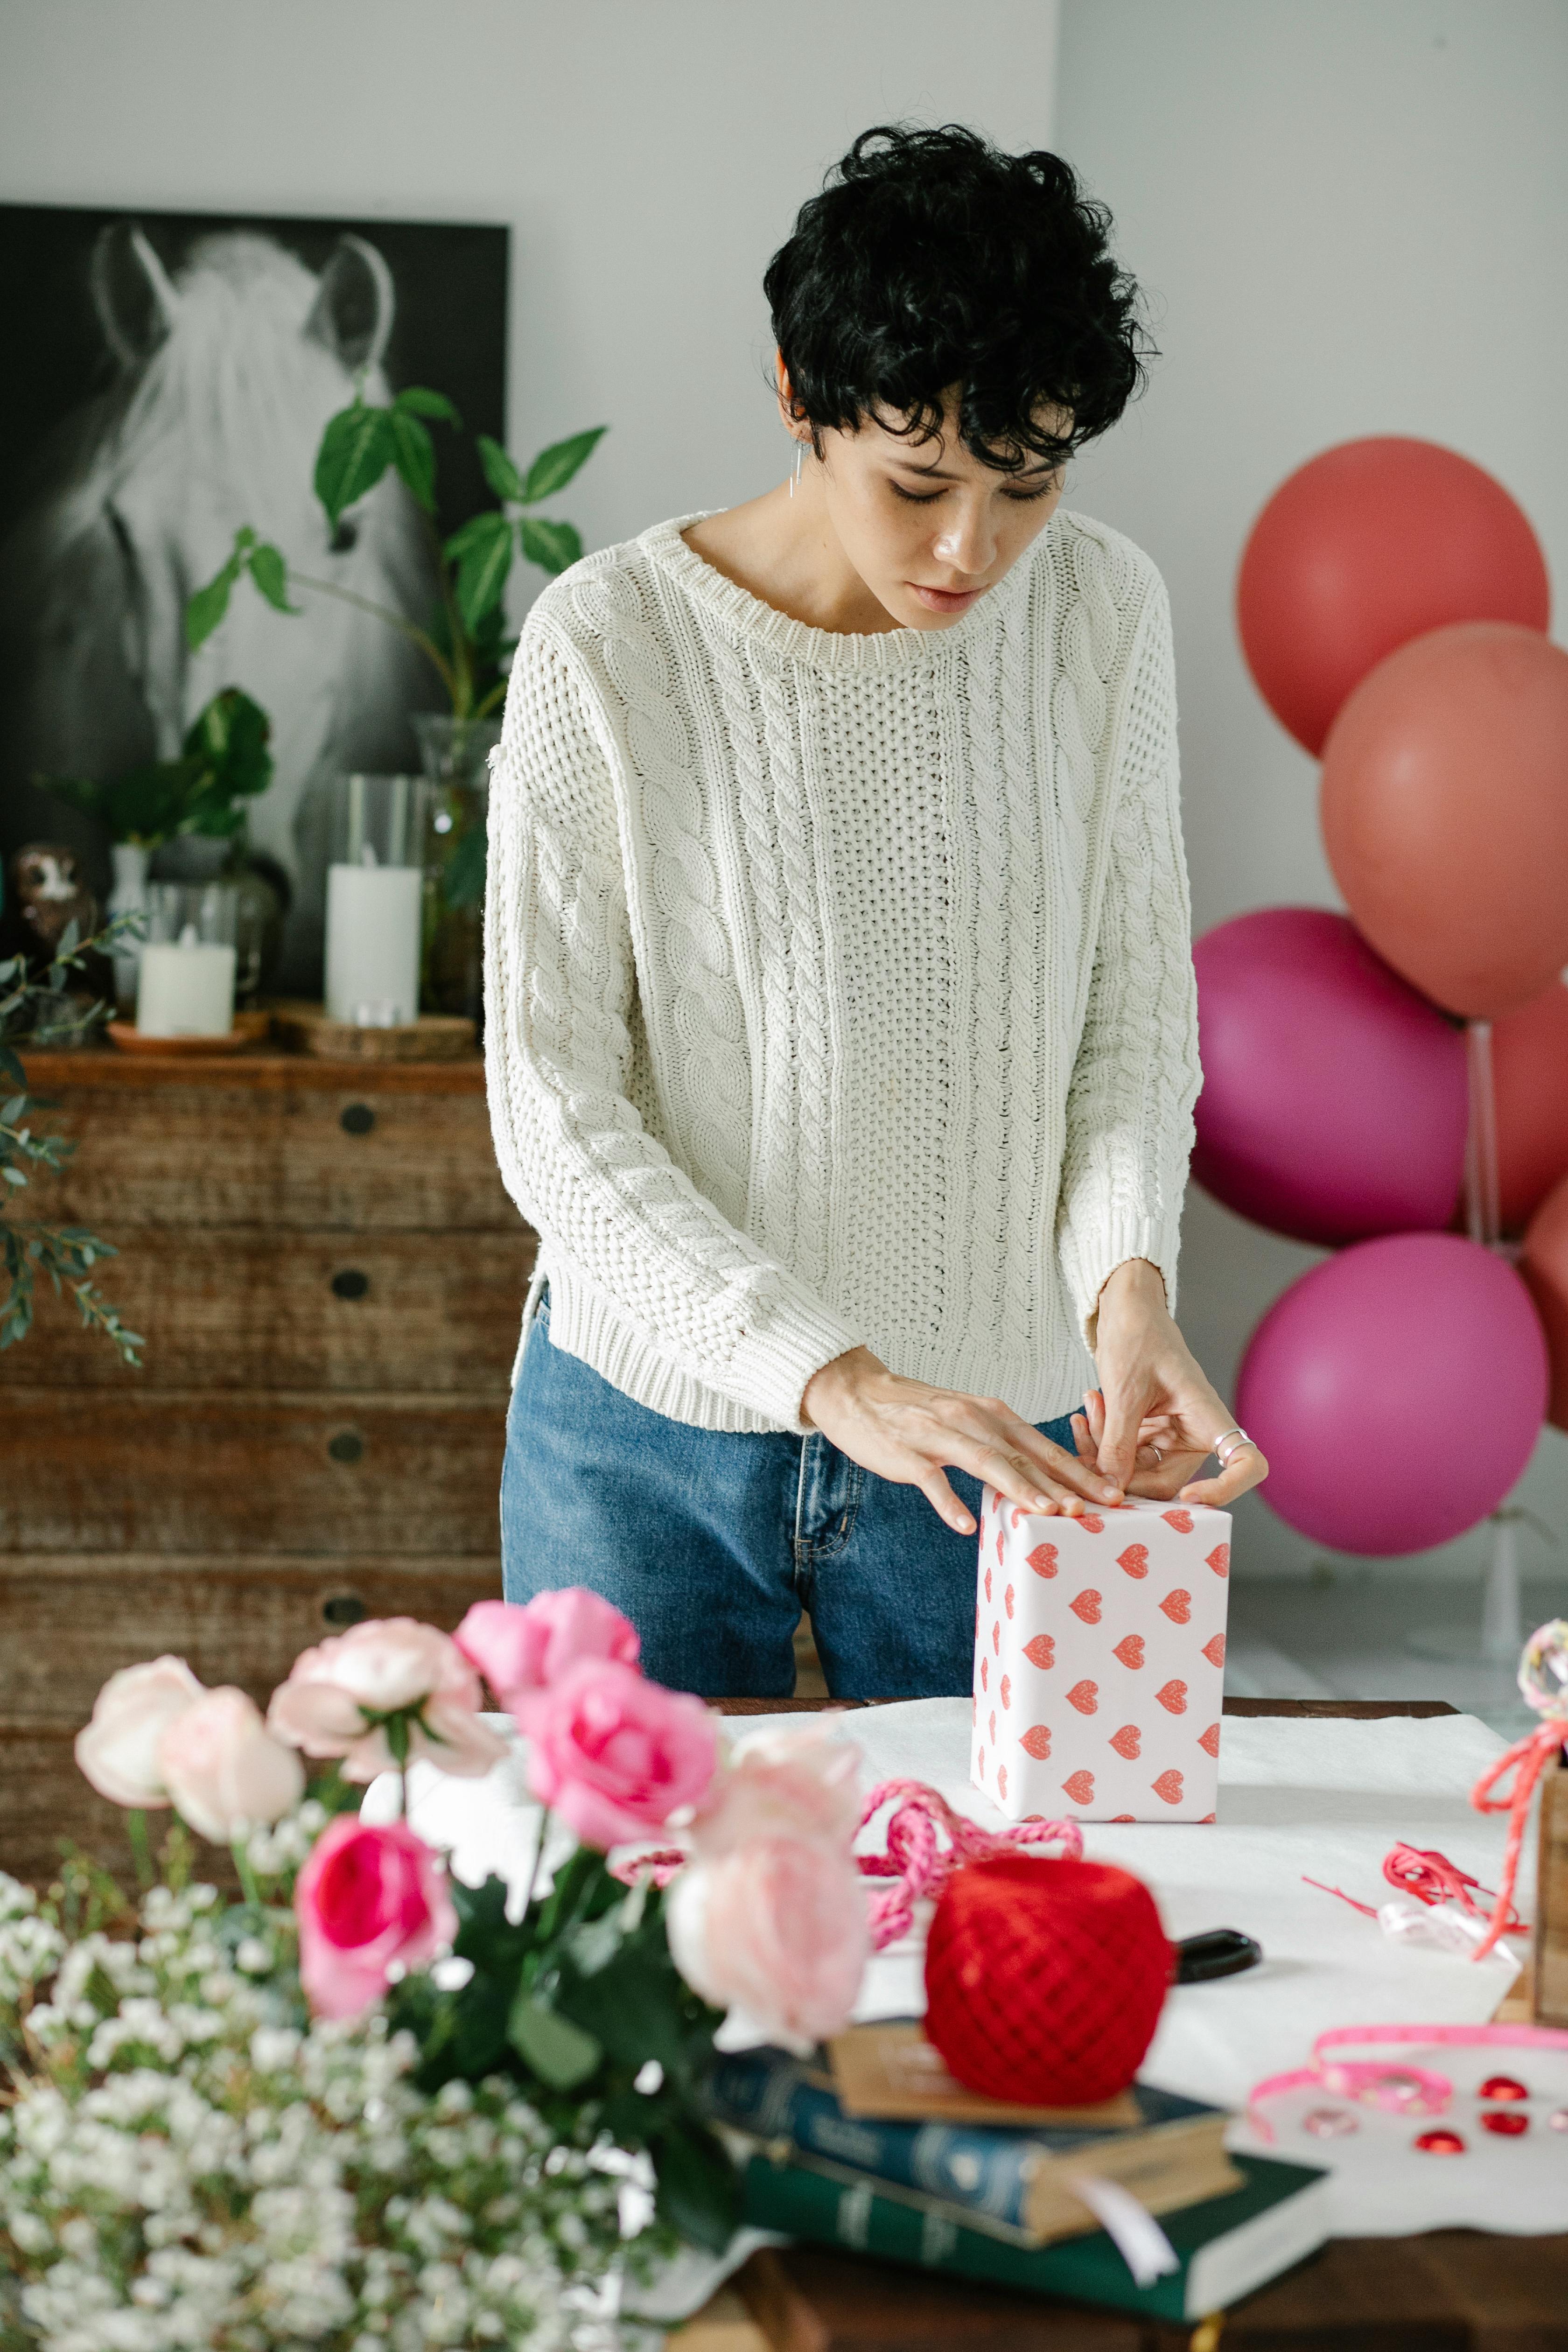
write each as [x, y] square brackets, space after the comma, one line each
[1333, 1104]
[1397, 1391]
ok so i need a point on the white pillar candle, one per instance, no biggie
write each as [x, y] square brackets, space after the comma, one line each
[372, 942]
[186, 988]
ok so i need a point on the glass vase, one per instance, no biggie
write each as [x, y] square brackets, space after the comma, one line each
[128, 897]
[456, 757]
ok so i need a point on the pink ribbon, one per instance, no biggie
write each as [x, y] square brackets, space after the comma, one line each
[923, 1866]
[1527, 1760]
[1413, 2090]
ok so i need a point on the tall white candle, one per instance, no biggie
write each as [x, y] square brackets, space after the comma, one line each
[186, 988]
[372, 941]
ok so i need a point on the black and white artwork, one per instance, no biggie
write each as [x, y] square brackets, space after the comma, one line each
[169, 378]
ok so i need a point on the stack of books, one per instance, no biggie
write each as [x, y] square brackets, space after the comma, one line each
[871, 2146]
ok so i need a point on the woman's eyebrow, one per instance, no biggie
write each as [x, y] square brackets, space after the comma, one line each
[940, 474]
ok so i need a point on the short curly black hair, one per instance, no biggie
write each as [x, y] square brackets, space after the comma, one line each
[932, 259]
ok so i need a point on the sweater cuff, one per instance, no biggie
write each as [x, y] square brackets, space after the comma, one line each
[1089, 1265]
[772, 1364]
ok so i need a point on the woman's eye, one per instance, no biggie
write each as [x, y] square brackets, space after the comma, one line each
[1028, 497]
[915, 498]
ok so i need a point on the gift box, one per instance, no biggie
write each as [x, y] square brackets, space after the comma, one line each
[1099, 1661]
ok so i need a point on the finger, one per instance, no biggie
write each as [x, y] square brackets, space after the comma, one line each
[1080, 1476]
[945, 1503]
[1119, 1445]
[1083, 1441]
[1246, 1468]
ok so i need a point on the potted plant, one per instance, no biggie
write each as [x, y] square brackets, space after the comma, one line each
[464, 640]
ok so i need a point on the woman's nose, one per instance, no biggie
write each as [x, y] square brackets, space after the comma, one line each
[966, 544]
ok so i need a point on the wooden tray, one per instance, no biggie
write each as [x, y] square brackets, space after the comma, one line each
[250, 1029]
[434, 1037]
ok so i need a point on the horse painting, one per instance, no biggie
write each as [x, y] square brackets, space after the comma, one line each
[223, 374]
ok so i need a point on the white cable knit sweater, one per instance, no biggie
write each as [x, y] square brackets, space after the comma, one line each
[839, 988]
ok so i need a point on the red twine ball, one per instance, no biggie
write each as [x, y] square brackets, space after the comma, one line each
[1045, 1979]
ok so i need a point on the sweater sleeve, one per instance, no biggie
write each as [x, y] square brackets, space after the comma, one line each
[1136, 1075]
[560, 1011]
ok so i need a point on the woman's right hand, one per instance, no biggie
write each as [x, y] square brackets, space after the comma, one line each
[913, 1432]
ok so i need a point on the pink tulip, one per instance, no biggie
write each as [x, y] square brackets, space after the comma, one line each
[223, 1770]
[800, 1783]
[117, 1750]
[617, 1756]
[521, 1648]
[774, 1930]
[377, 1668]
[367, 1900]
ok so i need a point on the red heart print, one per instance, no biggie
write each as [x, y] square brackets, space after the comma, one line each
[980, 1763]
[1036, 1741]
[984, 1671]
[1177, 1606]
[1174, 1697]
[1130, 1652]
[991, 1727]
[1007, 1602]
[974, 1710]
[999, 1539]
[1087, 1606]
[1007, 1690]
[1128, 1742]
[1204, 1819]
[996, 1638]
[1043, 1559]
[1180, 1520]
[1169, 1786]
[1080, 1787]
[1092, 1521]
[1215, 1650]
[1135, 1559]
[1085, 1696]
[1219, 1559]
[1124, 1817]
[1041, 1651]
[988, 1584]
[1018, 1513]
[1001, 1780]
[1210, 1739]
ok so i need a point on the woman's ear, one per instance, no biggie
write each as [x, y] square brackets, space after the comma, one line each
[785, 390]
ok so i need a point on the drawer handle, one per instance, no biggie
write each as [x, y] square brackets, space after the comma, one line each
[348, 1445]
[350, 1283]
[344, 1609]
[358, 1118]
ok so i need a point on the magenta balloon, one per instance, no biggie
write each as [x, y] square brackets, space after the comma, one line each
[1397, 1390]
[1333, 1103]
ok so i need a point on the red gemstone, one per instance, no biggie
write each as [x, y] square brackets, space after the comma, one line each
[1506, 2121]
[1441, 2143]
[1501, 2086]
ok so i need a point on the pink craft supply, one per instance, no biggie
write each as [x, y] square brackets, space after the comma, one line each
[922, 1866]
[1415, 2090]
[1099, 1661]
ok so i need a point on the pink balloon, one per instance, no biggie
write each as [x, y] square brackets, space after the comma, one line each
[1334, 1105]
[1397, 1390]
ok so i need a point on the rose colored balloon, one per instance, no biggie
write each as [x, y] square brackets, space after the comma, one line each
[1544, 1267]
[1397, 1391]
[1445, 810]
[1362, 549]
[1333, 1104]
[1529, 1071]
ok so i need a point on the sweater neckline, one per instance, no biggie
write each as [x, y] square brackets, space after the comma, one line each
[745, 615]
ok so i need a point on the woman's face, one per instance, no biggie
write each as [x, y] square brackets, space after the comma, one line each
[926, 525]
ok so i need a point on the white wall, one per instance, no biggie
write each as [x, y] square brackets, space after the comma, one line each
[1353, 219]
[649, 155]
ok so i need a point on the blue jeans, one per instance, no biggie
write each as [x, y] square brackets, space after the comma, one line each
[712, 1541]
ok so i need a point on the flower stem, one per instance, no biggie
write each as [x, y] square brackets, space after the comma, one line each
[142, 1852]
[247, 1878]
[545, 1820]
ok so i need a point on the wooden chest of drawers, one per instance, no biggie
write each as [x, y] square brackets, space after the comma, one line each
[329, 1275]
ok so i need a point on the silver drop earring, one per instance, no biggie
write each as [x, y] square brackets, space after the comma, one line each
[799, 462]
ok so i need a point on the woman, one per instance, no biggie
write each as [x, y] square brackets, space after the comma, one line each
[841, 1021]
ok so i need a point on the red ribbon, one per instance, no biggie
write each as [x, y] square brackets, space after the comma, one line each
[1527, 1760]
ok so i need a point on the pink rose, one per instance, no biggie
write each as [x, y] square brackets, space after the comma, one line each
[117, 1750]
[223, 1770]
[367, 1899]
[774, 1930]
[801, 1783]
[617, 1756]
[380, 1667]
[520, 1648]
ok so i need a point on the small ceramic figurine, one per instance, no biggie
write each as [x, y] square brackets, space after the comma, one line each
[44, 893]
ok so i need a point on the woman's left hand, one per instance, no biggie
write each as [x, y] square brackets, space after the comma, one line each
[1154, 1421]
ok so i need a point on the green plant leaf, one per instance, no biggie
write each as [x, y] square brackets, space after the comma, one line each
[230, 734]
[463, 882]
[553, 545]
[270, 574]
[206, 607]
[559, 2052]
[414, 454]
[698, 2193]
[417, 400]
[355, 451]
[500, 472]
[554, 467]
[482, 566]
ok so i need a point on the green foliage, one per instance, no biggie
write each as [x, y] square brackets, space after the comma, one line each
[223, 761]
[65, 1255]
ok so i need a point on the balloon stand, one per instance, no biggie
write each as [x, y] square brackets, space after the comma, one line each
[1501, 1636]
[1482, 1191]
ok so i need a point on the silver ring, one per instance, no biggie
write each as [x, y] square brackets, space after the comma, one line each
[1159, 1457]
[1226, 1434]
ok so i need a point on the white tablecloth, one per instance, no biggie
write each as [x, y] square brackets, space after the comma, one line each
[1319, 1799]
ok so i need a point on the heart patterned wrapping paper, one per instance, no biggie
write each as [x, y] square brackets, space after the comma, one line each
[1099, 1661]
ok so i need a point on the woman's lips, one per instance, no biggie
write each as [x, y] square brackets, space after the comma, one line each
[946, 600]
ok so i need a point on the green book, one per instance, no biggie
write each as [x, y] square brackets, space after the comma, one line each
[1225, 2246]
